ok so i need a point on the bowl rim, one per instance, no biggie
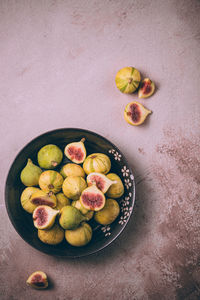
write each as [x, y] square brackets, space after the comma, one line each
[60, 130]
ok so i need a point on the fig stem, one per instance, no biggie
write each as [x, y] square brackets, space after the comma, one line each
[130, 80]
[54, 163]
[83, 140]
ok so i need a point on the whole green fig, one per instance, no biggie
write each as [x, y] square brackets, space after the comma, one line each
[70, 217]
[49, 156]
[30, 174]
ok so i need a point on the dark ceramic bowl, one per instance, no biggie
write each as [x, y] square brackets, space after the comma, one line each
[102, 235]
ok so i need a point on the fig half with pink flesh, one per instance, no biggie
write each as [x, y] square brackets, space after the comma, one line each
[100, 180]
[92, 198]
[44, 217]
[135, 113]
[76, 151]
[42, 198]
[146, 89]
[38, 280]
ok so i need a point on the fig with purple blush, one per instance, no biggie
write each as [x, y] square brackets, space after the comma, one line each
[42, 198]
[70, 217]
[97, 162]
[135, 113]
[92, 198]
[147, 88]
[80, 236]
[51, 181]
[50, 156]
[38, 280]
[76, 151]
[100, 180]
[44, 217]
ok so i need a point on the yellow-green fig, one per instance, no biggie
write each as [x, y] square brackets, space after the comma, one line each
[116, 190]
[97, 162]
[50, 156]
[30, 174]
[72, 170]
[42, 198]
[127, 80]
[52, 236]
[76, 151]
[44, 217]
[70, 217]
[73, 186]
[109, 213]
[80, 236]
[38, 280]
[62, 201]
[51, 181]
[26, 199]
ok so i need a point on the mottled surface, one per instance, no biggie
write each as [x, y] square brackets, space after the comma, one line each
[58, 63]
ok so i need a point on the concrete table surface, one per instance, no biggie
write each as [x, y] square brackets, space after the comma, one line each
[58, 61]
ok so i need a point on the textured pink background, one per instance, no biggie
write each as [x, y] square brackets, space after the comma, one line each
[58, 61]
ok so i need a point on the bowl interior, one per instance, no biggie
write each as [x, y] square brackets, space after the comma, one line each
[102, 235]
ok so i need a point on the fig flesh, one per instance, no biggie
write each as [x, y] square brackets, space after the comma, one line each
[49, 156]
[72, 170]
[100, 180]
[97, 162]
[81, 236]
[92, 198]
[42, 198]
[73, 186]
[26, 199]
[52, 236]
[135, 113]
[146, 89]
[127, 80]
[76, 151]
[38, 280]
[108, 214]
[117, 189]
[44, 217]
[62, 201]
[30, 174]
[51, 181]
[70, 217]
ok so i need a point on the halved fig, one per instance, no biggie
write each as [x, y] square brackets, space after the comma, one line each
[44, 217]
[100, 180]
[38, 280]
[76, 151]
[135, 113]
[146, 89]
[43, 198]
[92, 198]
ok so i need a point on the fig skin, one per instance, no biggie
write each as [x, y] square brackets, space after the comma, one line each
[147, 88]
[81, 236]
[100, 180]
[26, 199]
[80, 207]
[73, 186]
[92, 198]
[108, 214]
[97, 162]
[62, 201]
[75, 149]
[51, 181]
[47, 213]
[135, 113]
[49, 156]
[127, 80]
[38, 280]
[43, 198]
[30, 174]
[116, 190]
[52, 236]
[70, 217]
[72, 170]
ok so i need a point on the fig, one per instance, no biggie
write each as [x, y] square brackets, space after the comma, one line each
[26, 199]
[73, 186]
[38, 280]
[97, 162]
[70, 217]
[100, 180]
[147, 88]
[135, 113]
[42, 198]
[72, 170]
[30, 174]
[108, 214]
[117, 189]
[52, 236]
[80, 236]
[62, 201]
[127, 80]
[92, 198]
[49, 156]
[51, 181]
[76, 151]
[80, 207]
[44, 217]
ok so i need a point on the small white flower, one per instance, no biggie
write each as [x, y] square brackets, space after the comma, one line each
[107, 234]
[127, 183]
[131, 177]
[125, 171]
[112, 151]
[130, 194]
[117, 156]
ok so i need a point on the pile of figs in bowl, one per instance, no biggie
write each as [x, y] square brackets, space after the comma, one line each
[69, 192]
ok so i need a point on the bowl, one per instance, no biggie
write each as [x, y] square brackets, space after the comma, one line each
[102, 235]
